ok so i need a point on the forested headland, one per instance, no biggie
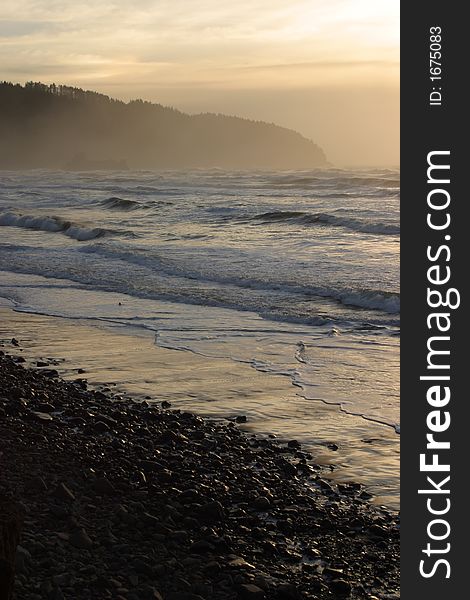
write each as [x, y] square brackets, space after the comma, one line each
[61, 127]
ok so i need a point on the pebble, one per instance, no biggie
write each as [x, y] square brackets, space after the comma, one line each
[22, 559]
[293, 444]
[288, 591]
[201, 547]
[102, 486]
[261, 503]
[212, 512]
[80, 539]
[340, 587]
[249, 591]
[101, 427]
[62, 492]
[36, 484]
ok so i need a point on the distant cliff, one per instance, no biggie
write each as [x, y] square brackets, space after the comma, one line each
[63, 127]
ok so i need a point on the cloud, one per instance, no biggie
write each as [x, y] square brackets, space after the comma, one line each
[211, 49]
[18, 29]
[211, 33]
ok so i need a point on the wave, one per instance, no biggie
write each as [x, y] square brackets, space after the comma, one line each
[372, 299]
[381, 300]
[52, 224]
[305, 218]
[115, 203]
[301, 181]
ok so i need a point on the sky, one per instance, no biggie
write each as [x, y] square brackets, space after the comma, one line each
[327, 68]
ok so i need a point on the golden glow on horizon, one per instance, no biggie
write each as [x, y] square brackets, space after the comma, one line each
[222, 56]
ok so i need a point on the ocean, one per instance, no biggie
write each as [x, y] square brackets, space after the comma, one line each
[294, 274]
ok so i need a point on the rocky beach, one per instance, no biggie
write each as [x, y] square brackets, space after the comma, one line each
[136, 500]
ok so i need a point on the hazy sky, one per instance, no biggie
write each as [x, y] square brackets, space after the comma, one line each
[328, 68]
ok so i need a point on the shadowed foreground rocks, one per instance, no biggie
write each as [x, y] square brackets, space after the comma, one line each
[127, 500]
[11, 519]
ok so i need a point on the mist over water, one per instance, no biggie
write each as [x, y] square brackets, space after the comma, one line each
[293, 273]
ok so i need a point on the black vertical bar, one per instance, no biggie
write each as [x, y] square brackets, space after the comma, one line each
[433, 119]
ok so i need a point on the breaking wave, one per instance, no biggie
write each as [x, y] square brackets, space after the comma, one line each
[115, 203]
[305, 218]
[52, 224]
[373, 299]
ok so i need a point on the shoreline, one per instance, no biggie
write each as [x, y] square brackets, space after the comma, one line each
[119, 504]
[350, 448]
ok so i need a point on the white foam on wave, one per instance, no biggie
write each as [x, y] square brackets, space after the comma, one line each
[360, 226]
[116, 203]
[51, 224]
[389, 303]
[380, 300]
[309, 219]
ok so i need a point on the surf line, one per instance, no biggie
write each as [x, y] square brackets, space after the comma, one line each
[441, 300]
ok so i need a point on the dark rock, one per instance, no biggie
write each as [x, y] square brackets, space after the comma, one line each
[212, 567]
[249, 591]
[180, 537]
[80, 539]
[325, 486]
[261, 503]
[101, 427]
[138, 478]
[102, 486]
[155, 523]
[236, 562]
[52, 373]
[62, 580]
[41, 416]
[169, 438]
[143, 567]
[293, 444]
[110, 421]
[56, 594]
[60, 512]
[184, 596]
[76, 421]
[201, 547]
[288, 591]
[45, 407]
[62, 492]
[36, 484]
[212, 512]
[340, 587]
[261, 582]
[22, 559]
[288, 468]
[150, 466]
[333, 573]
